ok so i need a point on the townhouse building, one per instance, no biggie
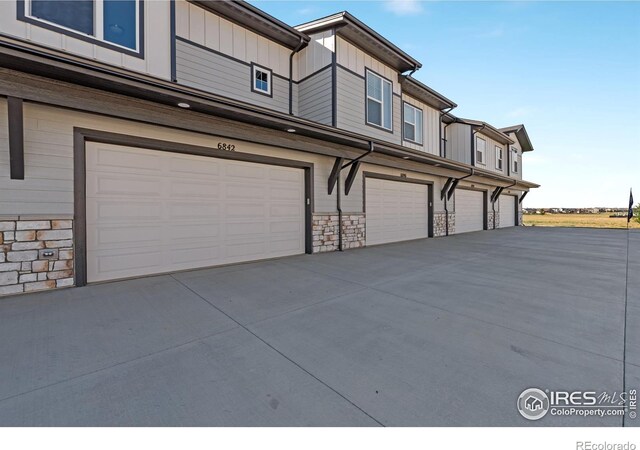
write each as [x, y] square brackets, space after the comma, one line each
[144, 137]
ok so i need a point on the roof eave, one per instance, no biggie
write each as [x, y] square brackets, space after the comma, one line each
[247, 15]
[343, 21]
[428, 94]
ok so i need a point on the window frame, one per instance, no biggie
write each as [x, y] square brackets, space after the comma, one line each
[23, 8]
[404, 121]
[514, 160]
[499, 159]
[483, 152]
[255, 67]
[383, 80]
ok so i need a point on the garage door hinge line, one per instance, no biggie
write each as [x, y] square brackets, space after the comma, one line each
[280, 353]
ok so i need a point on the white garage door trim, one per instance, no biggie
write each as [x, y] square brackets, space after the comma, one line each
[507, 210]
[397, 209]
[471, 210]
[285, 174]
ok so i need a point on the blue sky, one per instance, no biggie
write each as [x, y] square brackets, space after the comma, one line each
[570, 71]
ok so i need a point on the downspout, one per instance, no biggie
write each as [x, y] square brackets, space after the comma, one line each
[295, 50]
[443, 142]
[338, 197]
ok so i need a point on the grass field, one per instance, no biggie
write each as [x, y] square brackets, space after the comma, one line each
[577, 220]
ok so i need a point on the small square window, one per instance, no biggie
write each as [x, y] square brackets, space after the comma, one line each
[261, 80]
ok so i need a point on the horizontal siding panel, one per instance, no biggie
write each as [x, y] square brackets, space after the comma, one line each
[351, 109]
[211, 72]
[314, 98]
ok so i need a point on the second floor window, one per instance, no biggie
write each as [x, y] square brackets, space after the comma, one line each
[514, 161]
[379, 97]
[111, 21]
[412, 129]
[498, 158]
[480, 150]
[261, 80]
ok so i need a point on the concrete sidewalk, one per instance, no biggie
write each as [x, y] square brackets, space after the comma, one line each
[423, 333]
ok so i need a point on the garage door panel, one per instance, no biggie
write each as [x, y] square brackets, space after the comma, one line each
[120, 161]
[191, 212]
[396, 211]
[469, 207]
[118, 211]
[191, 189]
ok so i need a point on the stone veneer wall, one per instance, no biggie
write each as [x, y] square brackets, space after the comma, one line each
[490, 220]
[25, 262]
[325, 232]
[440, 223]
[520, 218]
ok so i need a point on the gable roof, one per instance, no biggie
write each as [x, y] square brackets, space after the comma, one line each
[364, 37]
[247, 15]
[521, 134]
[424, 93]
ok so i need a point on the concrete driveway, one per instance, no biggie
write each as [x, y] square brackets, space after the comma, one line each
[423, 333]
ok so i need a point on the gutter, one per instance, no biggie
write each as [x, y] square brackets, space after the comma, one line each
[338, 197]
[295, 50]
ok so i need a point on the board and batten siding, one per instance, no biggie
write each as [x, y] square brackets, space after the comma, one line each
[430, 127]
[351, 108]
[315, 56]
[48, 140]
[203, 69]
[314, 97]
[205, 28]
[157, 40]
[357, 61]
[458, 145]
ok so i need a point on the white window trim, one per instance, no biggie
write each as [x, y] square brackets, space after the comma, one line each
[415, 125]
[381, 102]
[254, 68]
[483, 152]
[499, 159]
[514, 161]
[98, 25]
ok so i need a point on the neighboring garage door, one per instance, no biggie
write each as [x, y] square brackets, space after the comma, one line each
[396, 211]
[153, 211]
[469, 210]
[507, 211]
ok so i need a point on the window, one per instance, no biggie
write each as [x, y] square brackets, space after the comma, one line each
[261, 80]
[111, 21]
[378, 101]
[498, 158]
[480, 148]
[412, 129]
[514, 161]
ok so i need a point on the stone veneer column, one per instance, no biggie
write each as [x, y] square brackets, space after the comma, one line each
[325, 231]
[35, 254]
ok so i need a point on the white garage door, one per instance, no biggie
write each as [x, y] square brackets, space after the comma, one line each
[153, 211]
[396, 211]
[469, 210]
[507, 211]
